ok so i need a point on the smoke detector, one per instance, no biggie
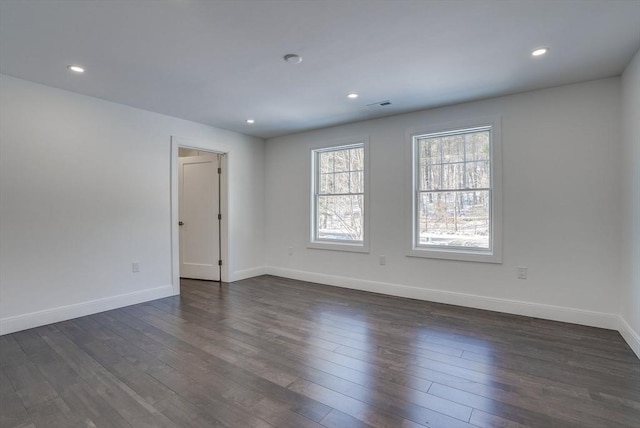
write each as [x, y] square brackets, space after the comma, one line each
[293, 58]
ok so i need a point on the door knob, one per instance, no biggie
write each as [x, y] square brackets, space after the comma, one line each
[181, 223]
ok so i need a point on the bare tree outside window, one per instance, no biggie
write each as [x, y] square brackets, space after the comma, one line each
[339, 194]
[453, 189]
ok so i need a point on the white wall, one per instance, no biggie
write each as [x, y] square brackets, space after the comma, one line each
[631, 203]
[560, 207]
[85, 190]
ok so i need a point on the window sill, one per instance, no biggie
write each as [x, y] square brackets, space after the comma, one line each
[460, 255]
[338, 246]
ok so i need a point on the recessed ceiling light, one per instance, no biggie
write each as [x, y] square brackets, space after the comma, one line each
[250, 121]
[539, 51]
[75, 68]
[352, 95]
[293, 58]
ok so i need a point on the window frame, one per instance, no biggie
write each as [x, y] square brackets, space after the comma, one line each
[494, 253]
[338, 244]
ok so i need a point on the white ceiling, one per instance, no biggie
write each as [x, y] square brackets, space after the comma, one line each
[220, 62]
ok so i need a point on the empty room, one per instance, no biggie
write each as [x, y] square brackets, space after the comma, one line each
[320, 213]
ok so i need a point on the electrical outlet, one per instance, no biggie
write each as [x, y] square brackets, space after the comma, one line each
[135, 267]
[522, 272]
[291, 251]
[383, 260]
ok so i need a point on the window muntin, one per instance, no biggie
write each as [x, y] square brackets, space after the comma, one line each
[453, 191]
[338, 195]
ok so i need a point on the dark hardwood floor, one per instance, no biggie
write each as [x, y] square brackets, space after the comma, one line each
[273, 352]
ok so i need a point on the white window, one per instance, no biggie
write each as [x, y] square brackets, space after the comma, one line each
[456, 194]
[338, 203]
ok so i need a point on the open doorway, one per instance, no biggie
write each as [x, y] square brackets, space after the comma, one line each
[199, 212]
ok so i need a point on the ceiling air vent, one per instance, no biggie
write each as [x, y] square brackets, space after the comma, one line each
[380, 104]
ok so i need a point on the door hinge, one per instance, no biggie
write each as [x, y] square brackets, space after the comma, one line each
[219, 262]
[219, 170]
[219, 216]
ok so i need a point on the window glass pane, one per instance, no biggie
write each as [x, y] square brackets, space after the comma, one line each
[341, 160]
[459, 219]
[477, 146]
[340, 217]
[478, 175]
[356, 157]
[453, 148]
[454, 162]
[326, 161]
[453, 176]
[341, 182]
[326, 183]
[430, 177]
[429, 150]
[357, 182]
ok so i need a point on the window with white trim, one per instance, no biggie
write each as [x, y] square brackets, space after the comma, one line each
[338, 197]
[456, 194]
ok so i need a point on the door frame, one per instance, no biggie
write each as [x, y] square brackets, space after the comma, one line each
[177, 142]
[204, 263]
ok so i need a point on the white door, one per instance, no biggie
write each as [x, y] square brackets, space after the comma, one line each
[198, 217]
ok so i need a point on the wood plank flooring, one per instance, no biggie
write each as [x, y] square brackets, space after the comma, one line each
[273, 352]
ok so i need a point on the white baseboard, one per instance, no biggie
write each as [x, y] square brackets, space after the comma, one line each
[550, 312]
[247, 273]
[62, 313]
[537, 310]
[630, 336]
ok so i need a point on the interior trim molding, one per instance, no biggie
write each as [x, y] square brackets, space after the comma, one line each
[630, 336]
[63, 313]
[516, 307]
